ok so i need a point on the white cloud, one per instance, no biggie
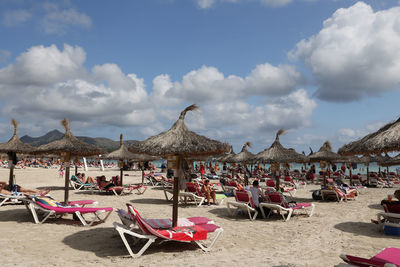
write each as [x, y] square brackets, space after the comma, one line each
[208, 84]
[44, 65]
[356, 53]
[58, 20]
[346, 135]
[267, 79]
[13, 18]
[45, 82]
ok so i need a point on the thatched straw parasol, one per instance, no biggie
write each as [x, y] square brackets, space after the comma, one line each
[276, 153]
[244, 156]
[69, 146]
[386, 139]
[348, 160]
[179, 142]
[12, 147]
[391, 161]
[122, 153]
[325, 153]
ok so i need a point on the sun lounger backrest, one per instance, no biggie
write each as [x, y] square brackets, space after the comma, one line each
[270, 183]
[245, 197]
[199, 232]
[392, 207]
[277, 198]
[191, 187]
[98, 179]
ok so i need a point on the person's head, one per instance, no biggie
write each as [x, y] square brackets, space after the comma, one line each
[78, 174]
[397, 194]
[83, 175]
[102, 178]
[255, 183]
[207, 182]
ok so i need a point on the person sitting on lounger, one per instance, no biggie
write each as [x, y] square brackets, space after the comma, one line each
[106, 184]
[6, 189]
[208, 192]
[396, 195]
[82, 178]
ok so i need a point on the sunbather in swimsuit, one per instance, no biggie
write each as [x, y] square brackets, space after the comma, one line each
[7, 189]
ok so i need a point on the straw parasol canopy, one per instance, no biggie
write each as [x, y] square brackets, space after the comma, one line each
[244, 155]
[392, 161]
[325, 153]
[179, 142]
[13, 146]
[276, 153]
[226, 157]
[382, 159]
[386, 139]
[68, 146]
[122, 153]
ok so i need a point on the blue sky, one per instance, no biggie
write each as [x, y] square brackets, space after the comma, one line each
[321, 69]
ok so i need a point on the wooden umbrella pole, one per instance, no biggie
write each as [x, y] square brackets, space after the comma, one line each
[76, 169]
[176, 193]
[121, 173]
[11, 177]
[351, 178]
[66, 189]
[142, 167]
[368, 174]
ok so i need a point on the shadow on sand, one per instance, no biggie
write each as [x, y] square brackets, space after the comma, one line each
[106, 242]
[363, 228]
[376, 207]
[53, 188]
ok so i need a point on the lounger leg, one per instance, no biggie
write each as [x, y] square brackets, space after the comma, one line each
[122, 231]
[312, 210]
[290, 211]
[229, 208]
[4, 201]
[201, 201]
[207, 249]
[96, 218]
[35, 216]
[262, 211]
[255, 214]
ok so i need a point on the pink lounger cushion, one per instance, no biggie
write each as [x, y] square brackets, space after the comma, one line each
[80, 202]
[73, 209]
[386, 256]
[179, 233]
[182, 222]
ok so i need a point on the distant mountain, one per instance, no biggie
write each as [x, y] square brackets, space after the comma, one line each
[101, 142]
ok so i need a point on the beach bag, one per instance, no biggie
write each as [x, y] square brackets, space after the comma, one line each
[316, 195]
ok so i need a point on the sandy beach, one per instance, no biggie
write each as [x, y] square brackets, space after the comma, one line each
[335, 228]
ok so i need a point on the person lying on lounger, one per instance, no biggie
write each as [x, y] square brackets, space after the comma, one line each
[6, 189]
[158, 177]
